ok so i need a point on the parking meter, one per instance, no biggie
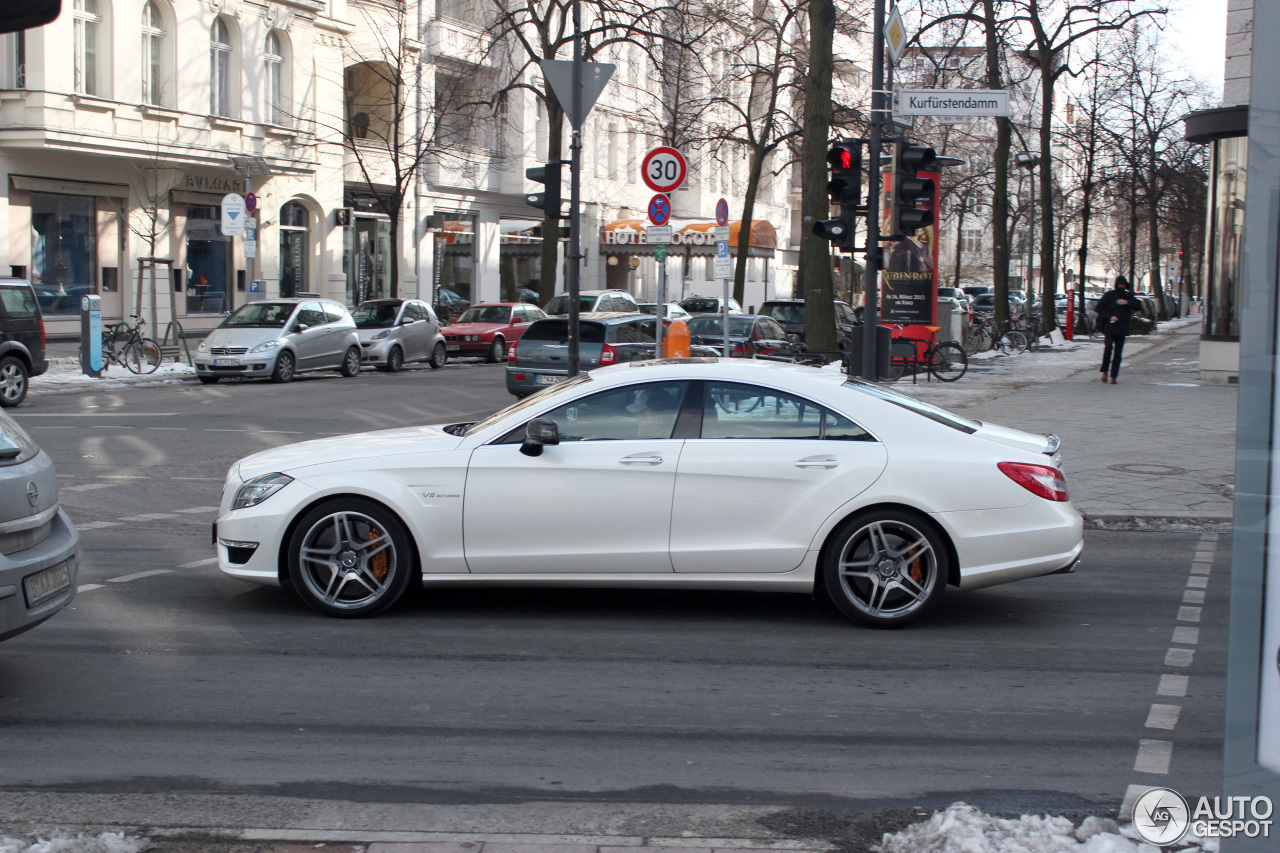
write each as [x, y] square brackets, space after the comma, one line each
[91, 335]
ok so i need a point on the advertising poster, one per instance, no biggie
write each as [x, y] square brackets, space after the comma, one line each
[909, 285]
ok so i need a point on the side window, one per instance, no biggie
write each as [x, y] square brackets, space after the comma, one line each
[636, 412]
[333, 312]
[626, 333]
[648, 331]
[839, 428]
[771, 330]
[312, 314]
[734, 410]
[19, 303]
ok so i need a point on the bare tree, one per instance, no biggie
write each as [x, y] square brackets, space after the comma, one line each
[815, 252]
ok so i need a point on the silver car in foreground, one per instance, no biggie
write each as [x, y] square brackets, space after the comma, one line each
[279, 339]
[395, 332]
[39, 546]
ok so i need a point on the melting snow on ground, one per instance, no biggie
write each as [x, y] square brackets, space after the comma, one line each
[107, 842]
[965, 829]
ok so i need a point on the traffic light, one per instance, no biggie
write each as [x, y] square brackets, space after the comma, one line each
[845, 189]
[910, 196]
[549, 199]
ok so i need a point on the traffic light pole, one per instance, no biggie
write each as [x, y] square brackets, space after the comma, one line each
[871, 308]
[575, 197]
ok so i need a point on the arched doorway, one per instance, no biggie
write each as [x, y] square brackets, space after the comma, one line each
[295, 247]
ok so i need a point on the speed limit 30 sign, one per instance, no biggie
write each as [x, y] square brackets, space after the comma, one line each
[663, 169]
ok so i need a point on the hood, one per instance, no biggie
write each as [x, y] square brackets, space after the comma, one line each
[245, 336]
[362, 445]
[472, 328]
[1045, 445]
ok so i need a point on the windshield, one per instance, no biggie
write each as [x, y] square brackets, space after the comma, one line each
[701, 305]
[485, 314]
[535, 399]
[784, 312]
[376, 315]
[560, 305]
[649, 308]
[271, 314]
[707, 326]
[933, 413]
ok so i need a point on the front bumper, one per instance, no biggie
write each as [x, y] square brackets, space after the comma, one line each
[261, 364]
[264, 526]
[62, 545]
[375, 352]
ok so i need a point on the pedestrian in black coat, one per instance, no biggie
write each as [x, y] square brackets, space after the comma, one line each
[1115, 309]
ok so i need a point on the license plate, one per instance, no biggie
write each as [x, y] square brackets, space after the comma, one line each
[226, 362]
[453, 347]
[542, 379]
[47, 583]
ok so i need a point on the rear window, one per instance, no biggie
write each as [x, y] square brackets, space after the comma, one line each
[558, 331]
[714, 326]
[560, 305]
[19, 303]
[933, 413]
[701, 305]
[784, 312]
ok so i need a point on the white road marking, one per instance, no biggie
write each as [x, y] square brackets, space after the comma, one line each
[1197, 581]
[1193, 596]
[280, 432]
[136, 575]
[1189, 614]
[149, 516]
[86, 487]
[1154, 756]
[1200, 569]
[208, 479]
[1173, 685]
[195, 564]
[50, 426]
[1163, 716]
[96, 525]
[1179, 657]
[1186, 636]
[98, 414]
[211, 429]
[86, 587]
[170, 429]
[198, 509]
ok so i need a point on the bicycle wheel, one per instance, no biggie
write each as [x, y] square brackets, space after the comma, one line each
[1033, 337]
[897, 367]
[973, 342]
[142, 356]
[1017, 340]
[948, 362]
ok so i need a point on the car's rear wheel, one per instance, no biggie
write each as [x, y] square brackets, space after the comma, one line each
[886, 568]
[13, 382]
[438, 357]
[351, 363]
[283, 371]
[395, 359]
[350, 558]
[497, 352]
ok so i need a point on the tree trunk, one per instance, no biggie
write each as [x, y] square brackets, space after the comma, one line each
[1000, 193]
[819, 297]
[959, 242]
[744, 231]
[551, 222]
[393, 249]
[1048, 262]
[1153, 225]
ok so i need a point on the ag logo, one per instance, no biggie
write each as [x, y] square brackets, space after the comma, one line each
[1161, 816]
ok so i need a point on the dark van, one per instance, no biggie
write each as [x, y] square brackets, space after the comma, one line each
[21, 340]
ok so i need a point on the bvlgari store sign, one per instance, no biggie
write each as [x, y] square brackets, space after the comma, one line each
[218, 186]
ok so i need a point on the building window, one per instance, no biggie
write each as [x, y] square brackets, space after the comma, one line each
[88, 22]
[63, 250]
[273, 57]
[13, 60]
[152, 55]
[295, 246]
[219, 69]
[971, 242]
[1229, 170]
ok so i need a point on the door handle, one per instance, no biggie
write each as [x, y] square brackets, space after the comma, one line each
[641, 460]
[817, 463]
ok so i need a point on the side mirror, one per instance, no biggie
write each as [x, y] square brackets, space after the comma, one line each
[539, 433]
[300, 327]
[793, 337]
[407, 321]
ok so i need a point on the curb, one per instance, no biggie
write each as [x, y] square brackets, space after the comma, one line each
[1159, 522]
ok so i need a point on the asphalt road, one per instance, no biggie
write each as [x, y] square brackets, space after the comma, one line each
[167, 685]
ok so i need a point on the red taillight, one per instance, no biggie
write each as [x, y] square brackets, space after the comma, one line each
[519, 377]
[739, 351]
[42, 344]
[1040, 480]
[608, 354]
[511, 351]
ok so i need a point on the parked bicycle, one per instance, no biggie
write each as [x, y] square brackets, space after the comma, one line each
[945, 360]
[1008, 342]
[128, 346]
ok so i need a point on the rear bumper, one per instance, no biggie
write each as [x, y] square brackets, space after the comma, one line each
[1000, 546]
[523, 381]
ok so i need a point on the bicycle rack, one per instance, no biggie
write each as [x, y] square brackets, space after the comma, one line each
[179, 340]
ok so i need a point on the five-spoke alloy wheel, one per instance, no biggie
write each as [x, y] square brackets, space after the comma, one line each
[886, 568]
[350, 558]
[13, 382]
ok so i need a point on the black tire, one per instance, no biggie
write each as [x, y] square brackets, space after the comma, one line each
[948, 362]
[350, 363]
[14, 381]
[497, 352]
[143, 356]
[439, 355]
[395, 360]
[350, 558]
[209, 380]
[283, 371]
[895, 567]
[897, 367]
[1017, 341]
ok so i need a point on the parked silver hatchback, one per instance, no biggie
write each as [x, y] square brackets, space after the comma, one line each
[279, 339]
[396, 332]
[39, 546]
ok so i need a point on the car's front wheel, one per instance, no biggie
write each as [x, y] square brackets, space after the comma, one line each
[349, 558]
[886, 568]
[283, 371]
[351, 363]
[395, 360]
[13, 382]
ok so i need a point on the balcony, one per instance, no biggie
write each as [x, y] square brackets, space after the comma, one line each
[461, 42]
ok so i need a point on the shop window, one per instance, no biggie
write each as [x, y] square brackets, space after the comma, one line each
[153, 59]
[520, 252]
[208, 267]
[295, 247]
[455, 256]
[63, 251]
[367, 258]
[88, 38]
[1229, 172]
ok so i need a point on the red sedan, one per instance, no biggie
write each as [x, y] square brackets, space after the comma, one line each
[488, 328]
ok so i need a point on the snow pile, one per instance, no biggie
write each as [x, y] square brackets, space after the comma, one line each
[107, 842]
[964, 829]
[64, 374]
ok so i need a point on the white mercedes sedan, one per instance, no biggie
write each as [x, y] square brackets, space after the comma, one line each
[699, 473]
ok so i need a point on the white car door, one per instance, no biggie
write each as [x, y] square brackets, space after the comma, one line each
[599, 502]
[767, 471]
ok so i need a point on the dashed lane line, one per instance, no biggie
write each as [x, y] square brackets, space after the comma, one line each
[86, 487]
[136, 575]
[89, 587]
[96, 525]
[198, 509]
[195, 564]
[149, 516]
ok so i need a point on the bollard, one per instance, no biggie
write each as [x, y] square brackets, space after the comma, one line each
[675, 343]
[91, 336]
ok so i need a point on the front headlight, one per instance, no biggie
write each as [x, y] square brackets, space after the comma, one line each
[267, 347]
[204, 347]
[383, 334]
[255, 491]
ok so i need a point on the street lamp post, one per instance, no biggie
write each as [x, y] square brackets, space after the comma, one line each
[1029, 161]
